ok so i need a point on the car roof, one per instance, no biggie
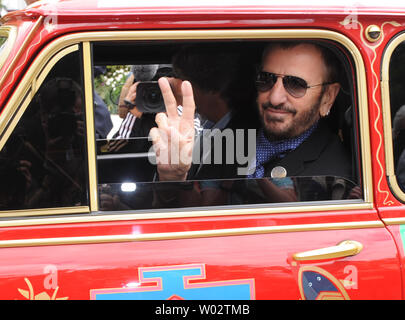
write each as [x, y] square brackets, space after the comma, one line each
[112, 7]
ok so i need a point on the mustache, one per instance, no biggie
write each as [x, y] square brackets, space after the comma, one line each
[281, 107]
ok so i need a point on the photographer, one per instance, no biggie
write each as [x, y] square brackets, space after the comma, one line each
[136, 123]
[142, 104]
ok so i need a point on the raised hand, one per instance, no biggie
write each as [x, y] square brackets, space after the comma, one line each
[173, 139]
[130, 96]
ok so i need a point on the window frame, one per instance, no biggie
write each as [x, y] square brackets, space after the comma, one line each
[13, 112]
[86, 38]
[387, 119]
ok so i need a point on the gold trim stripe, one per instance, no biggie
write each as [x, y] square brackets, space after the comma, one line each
[380, 110]
[91, 147]
[10, 122]
[12, 67]
[55, 59]
[134, 216]
[187, 234]
[17, 115]
[40, 212]
[393, 221]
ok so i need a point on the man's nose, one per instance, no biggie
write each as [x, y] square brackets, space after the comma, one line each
[278, 95]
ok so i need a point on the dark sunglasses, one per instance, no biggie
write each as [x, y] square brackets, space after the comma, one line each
[295, 86]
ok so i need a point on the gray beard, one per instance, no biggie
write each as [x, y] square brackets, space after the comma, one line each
[309, 119]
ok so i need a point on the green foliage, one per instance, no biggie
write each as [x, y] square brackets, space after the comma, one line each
[109, 85]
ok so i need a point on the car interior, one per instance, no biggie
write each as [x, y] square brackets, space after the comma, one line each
[132, 163]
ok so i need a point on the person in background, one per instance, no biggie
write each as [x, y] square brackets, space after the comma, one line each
[102, 118]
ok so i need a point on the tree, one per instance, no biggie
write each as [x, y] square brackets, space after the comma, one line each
[109, 85]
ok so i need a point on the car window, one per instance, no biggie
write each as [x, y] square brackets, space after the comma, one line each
[227, 148]
[397, 102]
[43, 162]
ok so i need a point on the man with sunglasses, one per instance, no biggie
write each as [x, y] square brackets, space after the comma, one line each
[297, 86]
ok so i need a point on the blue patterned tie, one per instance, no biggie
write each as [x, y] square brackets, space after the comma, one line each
[267, 150]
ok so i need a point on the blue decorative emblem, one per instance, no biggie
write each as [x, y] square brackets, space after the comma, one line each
[318, 284]
[178, 282]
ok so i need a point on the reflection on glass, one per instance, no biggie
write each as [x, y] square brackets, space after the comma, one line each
[43, 163]
[124, 160]
[152, 195]
[128, 187]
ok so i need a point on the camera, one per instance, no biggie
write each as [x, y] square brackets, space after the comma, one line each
[149, 97]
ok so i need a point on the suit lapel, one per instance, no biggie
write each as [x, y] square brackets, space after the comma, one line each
[309, 150]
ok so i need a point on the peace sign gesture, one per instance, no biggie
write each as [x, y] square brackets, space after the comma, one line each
[173, 139]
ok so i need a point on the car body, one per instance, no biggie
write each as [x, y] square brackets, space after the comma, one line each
[315, 249]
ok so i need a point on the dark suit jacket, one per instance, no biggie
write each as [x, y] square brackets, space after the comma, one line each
[318, 165]
[224, 170]
[322, 154]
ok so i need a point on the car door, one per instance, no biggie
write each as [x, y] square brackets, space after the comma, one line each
[390, 204]
[61, 242]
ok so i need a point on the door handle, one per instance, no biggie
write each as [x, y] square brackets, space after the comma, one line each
[343, 249]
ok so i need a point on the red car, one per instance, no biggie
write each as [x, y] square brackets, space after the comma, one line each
[78, 217]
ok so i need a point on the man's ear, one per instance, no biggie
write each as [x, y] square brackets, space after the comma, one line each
[328, 98]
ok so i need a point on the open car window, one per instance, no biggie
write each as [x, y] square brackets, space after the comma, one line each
[126, 164]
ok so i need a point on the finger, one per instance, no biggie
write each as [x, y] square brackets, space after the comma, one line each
[131, 95]
[158, 137]
[154, 135]
[188, 101]
[162, 121]
[159, 146]
[168, 98]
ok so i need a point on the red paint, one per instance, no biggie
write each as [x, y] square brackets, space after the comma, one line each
[264, 257]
